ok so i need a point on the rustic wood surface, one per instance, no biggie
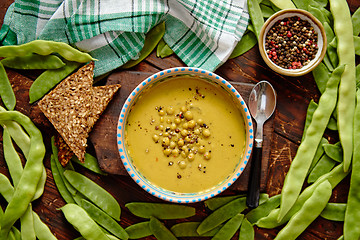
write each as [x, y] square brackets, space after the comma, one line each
[284, 131]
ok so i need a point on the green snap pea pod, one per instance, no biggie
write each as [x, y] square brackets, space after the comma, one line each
[328, 63]
[111, 237]
[42, 231]
[357, 45]
[301, 163]
[60, 185]
[266, 10]
[216, 202]
[82, 222]
[41, 185]
[98, 195]
[331, 51]
[6, 92]
[309, 114]
[31, 175]
[247, 42]
[334, 212]
[222, 214]
[334, 151]
[11, 235]
[324, 165]
[256, 16]
[104, 220]
[352, 216]
[139, 230]
[319, 153]
[90, 163]
[283, 4]
[159, 230]
[163, 50]
[355, 19]
[152, 39]
[12, 158]
[334, 177]
[302, 4]
[246, 230]
[160, 210]
[263, 209]
[16, 233]
[230, 227]
[332, 125]
[318, 14]
[347, 89]
[43, 47]
[27, 225]
[17, 133]
[341, 237]
[48, 79]
[33, 61]
[321, 76]
[188, 229]
[308, 213]
[6, 189]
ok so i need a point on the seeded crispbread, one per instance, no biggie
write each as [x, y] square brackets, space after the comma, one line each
[102, 95]
[73, 107]
[68, 108]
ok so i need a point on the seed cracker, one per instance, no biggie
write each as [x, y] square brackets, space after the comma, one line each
[73, 107]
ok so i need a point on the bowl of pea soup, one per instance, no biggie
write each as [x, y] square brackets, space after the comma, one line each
[184, 135]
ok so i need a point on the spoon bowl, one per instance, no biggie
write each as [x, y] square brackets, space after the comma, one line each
[262, 103]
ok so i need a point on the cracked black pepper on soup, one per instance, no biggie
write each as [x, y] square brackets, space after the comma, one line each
[185, 134]
[291, 43]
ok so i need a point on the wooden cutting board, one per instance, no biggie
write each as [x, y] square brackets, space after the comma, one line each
[103, 135]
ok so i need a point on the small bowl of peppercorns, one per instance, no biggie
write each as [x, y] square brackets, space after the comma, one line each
[292, 42]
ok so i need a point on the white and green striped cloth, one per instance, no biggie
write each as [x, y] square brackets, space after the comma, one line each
[203, 33]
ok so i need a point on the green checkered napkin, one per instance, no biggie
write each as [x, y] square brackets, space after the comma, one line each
[203, 33]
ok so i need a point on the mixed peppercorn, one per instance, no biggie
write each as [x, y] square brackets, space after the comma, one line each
[291, 43]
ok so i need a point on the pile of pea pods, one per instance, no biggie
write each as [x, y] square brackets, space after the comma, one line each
[318, 164]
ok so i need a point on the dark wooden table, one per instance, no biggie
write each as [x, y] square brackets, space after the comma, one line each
[286, 126]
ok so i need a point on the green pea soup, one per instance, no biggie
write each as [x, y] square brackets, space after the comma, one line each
[185, 134]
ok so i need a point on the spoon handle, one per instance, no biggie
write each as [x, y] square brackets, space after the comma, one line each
[252, 200]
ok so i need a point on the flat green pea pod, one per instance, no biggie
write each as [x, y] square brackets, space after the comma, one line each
[152, 39]
[267, 11]
[308, 213]
[188, 229]
[330, 50]
[82, 222]
[318, 14]
[319, 153]
[139, 230]
[60, 185]
[355, 19]
[324, 165]
[222, 214]
[27, 225]
[44, 47]
[256, 16]
[94, 193]
[321, 76]
[160, 210]
[334, 177]
[352, 215]
[90, 163]
[247, 231]
[347, 88]
[104, 220]
[31, 175]
[283, 4]
[309, 114]
[230, 227]
[357, 45]
[332, 125]
[263, 209]
[49, 79]
[33, 61]
[302, 4]
[6, 189]
[216, 202]
[300, 165]
[159, 230]
[6, 92]
[163, 50]
[334, 151]
[334, 212]
[42, 231]
[247, 42]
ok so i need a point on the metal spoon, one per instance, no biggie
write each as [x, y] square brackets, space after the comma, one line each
[262, 103]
